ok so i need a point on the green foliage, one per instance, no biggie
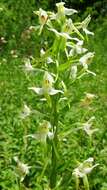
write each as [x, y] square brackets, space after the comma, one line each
[16, 18]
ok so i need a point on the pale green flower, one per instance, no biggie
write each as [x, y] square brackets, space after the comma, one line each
[47, 86]
[86, 59]
[69, 27]
[73, 72]
[2, 39]
[23, 168]
[28, 66]
[84, 168]
[88, 130]
[90, 96]
[42, 52]
[88, 99]
[88, 125]
[26, 112]
[62, 11]
[84, 25]
[49, 60]
[42, 16]
[77, 48]
[43, 132]
[13, 53]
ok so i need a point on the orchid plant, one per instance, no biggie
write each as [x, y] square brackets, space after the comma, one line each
[82, 171]
[64, 58]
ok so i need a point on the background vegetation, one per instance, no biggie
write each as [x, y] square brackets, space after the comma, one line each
[18, 42]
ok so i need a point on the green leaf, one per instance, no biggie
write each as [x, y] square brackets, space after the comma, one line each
[66, 65]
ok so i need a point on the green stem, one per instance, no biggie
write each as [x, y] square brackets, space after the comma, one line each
[54, 121]
[43, 171]
[86, 183]
[77, 183]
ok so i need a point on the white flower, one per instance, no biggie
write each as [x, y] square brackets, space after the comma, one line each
[2, 39]
[47, 81]
[86, 21]
[43, 132]
[28, 66]
[77, 49]
[90, 96]
[67, 29]
[86, 59]
[47, 86]
[52, 16]
[14, 53]
[88, 99]
[49, 60]
[84, 25]
[23, 168]
[42, 52]
[50, 135]
[26, 112]
[87, 127]
[68, 26]
[84, 168]
[42, 16]
[62, 11]
[74, 71]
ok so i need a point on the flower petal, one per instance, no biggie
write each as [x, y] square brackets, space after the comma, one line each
[62, 34]
[90, 72]
[53, 91]
[70, 11]
[88, 32]
[37, 90]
